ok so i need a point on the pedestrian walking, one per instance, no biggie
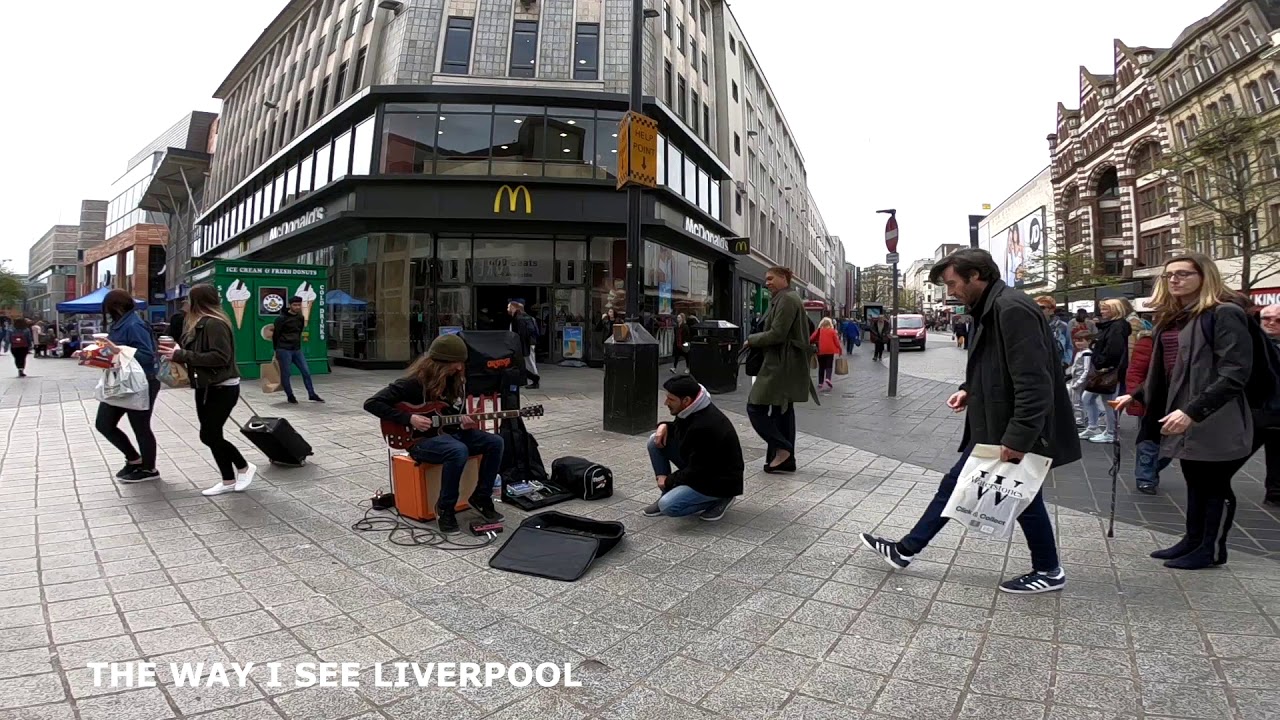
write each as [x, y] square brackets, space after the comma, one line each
[784, 378]
[1196, 404]
[1014, 396]
[21, 340]
[526, 328]
[1077, 375]
[1061, 333]
[851, 333]
[879, 335]
[130, 330]
[286, 339]
[1147, 462]
[6, 332]
[828, 348]
[1110, 361]
[961, 332]
[677, 348]
[208, 350]
[1266, 429]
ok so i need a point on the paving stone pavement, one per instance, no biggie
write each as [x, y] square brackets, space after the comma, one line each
[775, 612]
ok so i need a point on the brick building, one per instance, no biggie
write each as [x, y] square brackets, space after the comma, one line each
[54, 260]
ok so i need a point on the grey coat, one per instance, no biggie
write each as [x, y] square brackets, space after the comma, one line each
[1207, 383]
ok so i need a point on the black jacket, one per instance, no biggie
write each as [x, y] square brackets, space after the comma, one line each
[210, 357]
[1017, 393]
[710, 454]
[1111, 347]
[405, 390]
[176, 322]
[522, 326]
[287, 333]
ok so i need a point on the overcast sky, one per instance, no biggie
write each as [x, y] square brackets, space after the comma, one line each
[932, 107]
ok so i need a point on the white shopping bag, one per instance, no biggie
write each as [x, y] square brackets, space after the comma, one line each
[990, 494]
[124, 384]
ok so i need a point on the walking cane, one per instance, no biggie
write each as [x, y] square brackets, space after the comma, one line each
[1115, 467]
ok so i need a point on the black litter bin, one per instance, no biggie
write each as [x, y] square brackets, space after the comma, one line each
[630, 380]
[713, 355]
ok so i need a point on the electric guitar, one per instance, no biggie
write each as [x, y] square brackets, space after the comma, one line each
[399, 437]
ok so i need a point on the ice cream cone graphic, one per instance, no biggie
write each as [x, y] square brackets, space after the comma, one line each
[238, 296]
[308, 296]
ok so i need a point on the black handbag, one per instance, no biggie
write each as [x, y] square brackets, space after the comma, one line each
[751, 359]
[1103, 382]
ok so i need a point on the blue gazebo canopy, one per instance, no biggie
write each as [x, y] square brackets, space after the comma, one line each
[341, 298]
[92, 303]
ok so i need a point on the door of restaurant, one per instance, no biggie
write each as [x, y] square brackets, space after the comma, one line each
[491, 309]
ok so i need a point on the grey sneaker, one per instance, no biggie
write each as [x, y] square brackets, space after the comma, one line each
[717, 511]
[652, 510]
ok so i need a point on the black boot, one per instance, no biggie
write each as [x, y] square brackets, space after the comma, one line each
[1212, 550]
[483, 504]
[447, 519]
[1195, 528]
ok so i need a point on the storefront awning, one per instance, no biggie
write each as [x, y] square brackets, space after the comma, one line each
[178, 170]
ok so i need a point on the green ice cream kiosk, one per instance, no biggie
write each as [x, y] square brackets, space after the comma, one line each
[254, 294]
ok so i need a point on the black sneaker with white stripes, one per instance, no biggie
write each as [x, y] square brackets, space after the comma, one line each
[888, 550]
[1035, 582]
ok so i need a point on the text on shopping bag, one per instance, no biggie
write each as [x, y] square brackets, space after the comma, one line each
[990, 494]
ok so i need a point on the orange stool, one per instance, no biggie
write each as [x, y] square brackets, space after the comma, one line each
[417, 486]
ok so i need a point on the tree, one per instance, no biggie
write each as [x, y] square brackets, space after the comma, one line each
[13, 289]
[1228, 174]
[1063, 268]
[877, 285]
[909, 301]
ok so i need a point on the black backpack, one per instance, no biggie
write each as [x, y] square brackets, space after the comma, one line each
[582, 478]
[521, 460]
[1262, 391]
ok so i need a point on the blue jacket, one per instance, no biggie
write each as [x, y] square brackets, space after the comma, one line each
[131, 330]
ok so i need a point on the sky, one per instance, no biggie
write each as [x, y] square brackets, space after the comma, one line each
[931, 107]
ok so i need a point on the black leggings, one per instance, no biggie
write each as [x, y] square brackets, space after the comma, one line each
[213, 408]
[20, 357]
[108, 425]
[825, 364]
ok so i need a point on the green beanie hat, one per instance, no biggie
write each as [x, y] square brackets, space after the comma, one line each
[448, 348]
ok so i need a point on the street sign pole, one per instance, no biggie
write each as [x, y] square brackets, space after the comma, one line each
[891, 244]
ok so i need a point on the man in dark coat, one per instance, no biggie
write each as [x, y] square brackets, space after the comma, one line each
[1015, 396]
[702, 443]
[526, 329]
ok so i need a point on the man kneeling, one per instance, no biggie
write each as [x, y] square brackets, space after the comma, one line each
[703, 445]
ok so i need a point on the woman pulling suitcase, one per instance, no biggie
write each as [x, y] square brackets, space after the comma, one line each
[207, 349]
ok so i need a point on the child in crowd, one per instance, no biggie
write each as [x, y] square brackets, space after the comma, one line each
[1081, 366]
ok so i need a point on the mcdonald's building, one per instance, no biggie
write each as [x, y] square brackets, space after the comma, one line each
[433, 206]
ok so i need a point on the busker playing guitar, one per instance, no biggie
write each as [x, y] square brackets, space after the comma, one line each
[440, 377]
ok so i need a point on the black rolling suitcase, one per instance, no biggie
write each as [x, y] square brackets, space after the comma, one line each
[277, 439]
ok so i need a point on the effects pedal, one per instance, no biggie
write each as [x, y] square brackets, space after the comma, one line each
[481, 528]
[382, 501]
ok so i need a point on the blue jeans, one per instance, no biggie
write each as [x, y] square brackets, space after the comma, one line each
[1034, 521]
[1148, 463]
[1096, 409]
[681, 500]
[451, 453]
[287, 358]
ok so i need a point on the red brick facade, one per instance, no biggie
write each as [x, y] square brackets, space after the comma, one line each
[139, 238]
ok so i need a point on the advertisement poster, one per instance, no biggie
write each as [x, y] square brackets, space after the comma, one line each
[572, 342]
[450, 329]
[1019, 250]
[272, 300]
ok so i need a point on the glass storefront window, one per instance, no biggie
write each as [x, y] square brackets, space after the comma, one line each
[342, 155]
[675, 283]
[362, 148]
[291, 182]
[126, 282]
[453, 307]
[304, 174]
[690, 180]
[675, 169]
[662, 160]
[571, 262]
[704, 192]
[518, 144]
[570, 144]
[408, 143]
[607, 144]
[462, 143]
[715, 199]
[513, 262]
[323, 166]
[455, 259]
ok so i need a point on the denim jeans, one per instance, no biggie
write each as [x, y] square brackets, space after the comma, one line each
[1147, 463]
[1096, 408]
[286, 358]
[1034, 521]
[681, 500]
[452, 451]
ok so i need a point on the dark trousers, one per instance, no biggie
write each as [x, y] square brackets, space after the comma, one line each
[213, 409]
[20, 357]
[1269, 438]
[879, 353]
[1211, 503]
[451, 453]
[776, 426]
[848, 345]
[825, 365]
[294, 358]
[108, 425]
[1034, 521]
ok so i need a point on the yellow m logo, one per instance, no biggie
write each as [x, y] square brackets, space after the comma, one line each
[513, 196]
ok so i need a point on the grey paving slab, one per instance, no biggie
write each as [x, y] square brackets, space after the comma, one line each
[775, 612]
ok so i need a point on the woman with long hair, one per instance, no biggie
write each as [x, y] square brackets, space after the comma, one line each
[1110, 355]
[439, 377]
[208, 350]
[130, 330]
[1196, 404]
[828, 341]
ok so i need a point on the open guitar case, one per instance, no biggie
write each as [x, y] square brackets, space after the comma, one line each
[557, 546]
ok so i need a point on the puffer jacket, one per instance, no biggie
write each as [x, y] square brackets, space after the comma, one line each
[1139, 366]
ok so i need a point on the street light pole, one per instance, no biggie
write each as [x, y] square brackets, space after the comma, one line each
[635, 196]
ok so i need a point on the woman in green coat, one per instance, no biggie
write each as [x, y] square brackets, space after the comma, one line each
[784, 374]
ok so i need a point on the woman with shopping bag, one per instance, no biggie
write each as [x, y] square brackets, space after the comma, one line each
[127, 330]
[828, 341]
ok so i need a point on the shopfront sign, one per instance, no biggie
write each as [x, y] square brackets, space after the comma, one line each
[637, 151]
[512, 195]
[512, 270]
[693, 227]
[1265, 296]
[310, 217]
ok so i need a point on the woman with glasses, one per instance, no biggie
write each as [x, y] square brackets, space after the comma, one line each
[1196, 404]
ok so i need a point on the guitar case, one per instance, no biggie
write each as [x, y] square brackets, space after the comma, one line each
[557, 546]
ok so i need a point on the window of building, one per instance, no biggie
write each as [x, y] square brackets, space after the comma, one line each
[666, 87]
[737, 203]
[1113, 262]
[1195, 69]
[667, 20]
[1200, 238]
[1248, 36]
[1193, 126]
[706, 123]
[1213, 113]
[737, 144]
[1272, 238]
[324, 165]
[706, 69]
[1233, 45]
[1110, 223]
[284, 127]
[1183, 138]
[1153, 201]
[1146, 158]
[306, 115]
[1206, 54]
[336, 39]
[1273, 88]
[408, 143]
[682, 99]
[693, 118]
[1228, 105]
[1259, 99]
[362, 148]
[1226, 245]
[1269, 159]
[586, 52]
[342, 155]
[1108, 185]
[463, 142]
[324, 96]
[524, 49]
[733, 90]
[680, 37]
[457, 46]
[733, 46]
[693, 52]
[293, 124]
[339, 87]
[304, 174]
[520, 140]
[354, 21]
[1155, 247]
[357, 80]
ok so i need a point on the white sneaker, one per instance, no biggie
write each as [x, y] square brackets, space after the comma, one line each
[1103, 438]
[219, 489]
[245, 477]
[1089, 432]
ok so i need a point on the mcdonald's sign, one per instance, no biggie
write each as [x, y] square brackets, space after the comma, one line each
[513, 196]
[741, 246]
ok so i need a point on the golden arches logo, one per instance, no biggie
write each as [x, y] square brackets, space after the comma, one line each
[513, 196]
